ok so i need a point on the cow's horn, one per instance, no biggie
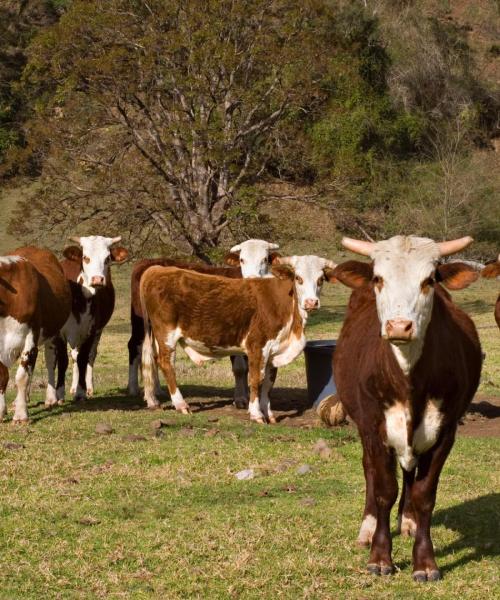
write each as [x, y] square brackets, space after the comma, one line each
[236, 248]
[358, 246]
[272, 246]
[330, 263]
[454, 246]
[116, 239]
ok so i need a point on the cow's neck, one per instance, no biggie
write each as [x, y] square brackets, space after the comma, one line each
[407, 355]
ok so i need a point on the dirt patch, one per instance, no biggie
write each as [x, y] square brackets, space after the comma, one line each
[293, 409]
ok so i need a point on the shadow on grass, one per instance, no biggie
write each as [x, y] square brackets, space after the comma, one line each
[325, 316]
[292, 401]
[477, 523]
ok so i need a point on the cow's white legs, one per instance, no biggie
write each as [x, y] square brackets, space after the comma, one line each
[89, 380]
[50, 360]
[166, 358]
[255, 375]
[23, 378]
[4, 380]
[265, 402]
[74, 380]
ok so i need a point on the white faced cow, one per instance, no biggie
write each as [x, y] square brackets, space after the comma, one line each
[87, 268]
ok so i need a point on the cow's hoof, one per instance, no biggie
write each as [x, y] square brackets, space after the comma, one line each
[185, 411]
[259, 420]
[240, 403]
[154, 407]
[379, 569]
[60, 402]
[72, 391]
[427, 575]
[407, 526]
[134, 391]
[90, 392]
[20, 421]
[272, 420]
[363, 543]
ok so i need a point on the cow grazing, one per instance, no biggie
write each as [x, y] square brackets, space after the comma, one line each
[35, 301]
[87, 269]
[407, 365]
[212, 317]
[248, 259]
[491, 271]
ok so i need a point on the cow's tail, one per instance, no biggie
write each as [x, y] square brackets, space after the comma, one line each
[149, 364]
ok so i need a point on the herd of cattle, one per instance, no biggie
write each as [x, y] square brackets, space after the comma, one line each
[407, 362]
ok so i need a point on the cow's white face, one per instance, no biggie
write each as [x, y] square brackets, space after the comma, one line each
[254, 257]
[403, 278]
[310, 274]
[96, 256]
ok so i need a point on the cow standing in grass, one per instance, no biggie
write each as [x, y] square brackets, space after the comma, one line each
[87, 269]
[407, 365]
[213, 317]
[252, 258]
[490, 271]
[35, 301]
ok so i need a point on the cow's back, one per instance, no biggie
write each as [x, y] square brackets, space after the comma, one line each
[53, 296]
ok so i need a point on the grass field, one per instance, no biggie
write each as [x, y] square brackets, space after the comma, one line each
[137, 515]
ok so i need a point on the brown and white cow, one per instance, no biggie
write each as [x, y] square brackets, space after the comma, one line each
[491, 271]
[248, 259]
[213, 317]
[35, 301]
[87, 269]
[407, 364]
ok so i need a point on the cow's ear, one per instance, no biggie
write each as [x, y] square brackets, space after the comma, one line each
[73, 253]
[232, 259]
[330, 275]
[283, 272]
[492, 270]
[353, 273]
[118, 254]
[274, 258]
[456, 276]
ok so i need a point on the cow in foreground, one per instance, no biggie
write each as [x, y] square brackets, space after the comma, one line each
[87, 269]
[252, 258]
[407, 365]
[35, 301]
[213, 317]
[491, 271]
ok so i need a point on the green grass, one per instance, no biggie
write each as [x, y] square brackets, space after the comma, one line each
[89, 516]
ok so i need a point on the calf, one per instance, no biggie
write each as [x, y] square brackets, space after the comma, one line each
[248, 259]
[87, 269]
[407, 365]
[490, 271]
[35, 301]
[212, 317]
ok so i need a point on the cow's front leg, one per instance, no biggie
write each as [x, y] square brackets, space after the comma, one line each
[50, 361]
[4, 380]
[381, 464]
[89, 354]
[255, 376]
[406, 517]
[239, 365]
[267, 384]
[369, 522]
[75, 372]
[23, 378]
[423, 498]
[166, 360]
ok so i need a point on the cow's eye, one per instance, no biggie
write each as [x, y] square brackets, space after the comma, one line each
[107, 260]
[299, 279]
[242, 261]
[430, 281]
[321, 280]
[378, 281]
[86, 259]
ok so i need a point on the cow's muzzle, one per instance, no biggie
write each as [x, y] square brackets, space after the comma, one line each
[399, 330]
[97, 281]
[311, 304]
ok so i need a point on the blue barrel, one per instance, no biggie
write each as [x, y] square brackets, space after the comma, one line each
[319, 370]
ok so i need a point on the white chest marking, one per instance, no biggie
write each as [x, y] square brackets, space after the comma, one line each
[407, 355]
[12, 337]
[427, 432]
[74, 331]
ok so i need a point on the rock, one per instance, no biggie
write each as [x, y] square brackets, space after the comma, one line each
[160, 423]
[325, 453]
[104, 429]
[284, 465]
[213, 419]
[245, 474]
[212, 432]
[89, 521]
[303, 469]
[291, 489]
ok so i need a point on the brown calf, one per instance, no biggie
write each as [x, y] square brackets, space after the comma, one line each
[35, 301]
[407, 365]
[214, 316]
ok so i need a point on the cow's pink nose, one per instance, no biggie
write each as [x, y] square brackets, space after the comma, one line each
[97, 281]
[311, 303]
[399, 329]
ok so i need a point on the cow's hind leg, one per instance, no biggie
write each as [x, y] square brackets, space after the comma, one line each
[4, 380]
[406, 518]
[369, 522]
[62, 367]
[51, 361]
[240, 371]
[166, 360]
[423, 498]
[23, 378]
[256, 376]
[267, 384]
